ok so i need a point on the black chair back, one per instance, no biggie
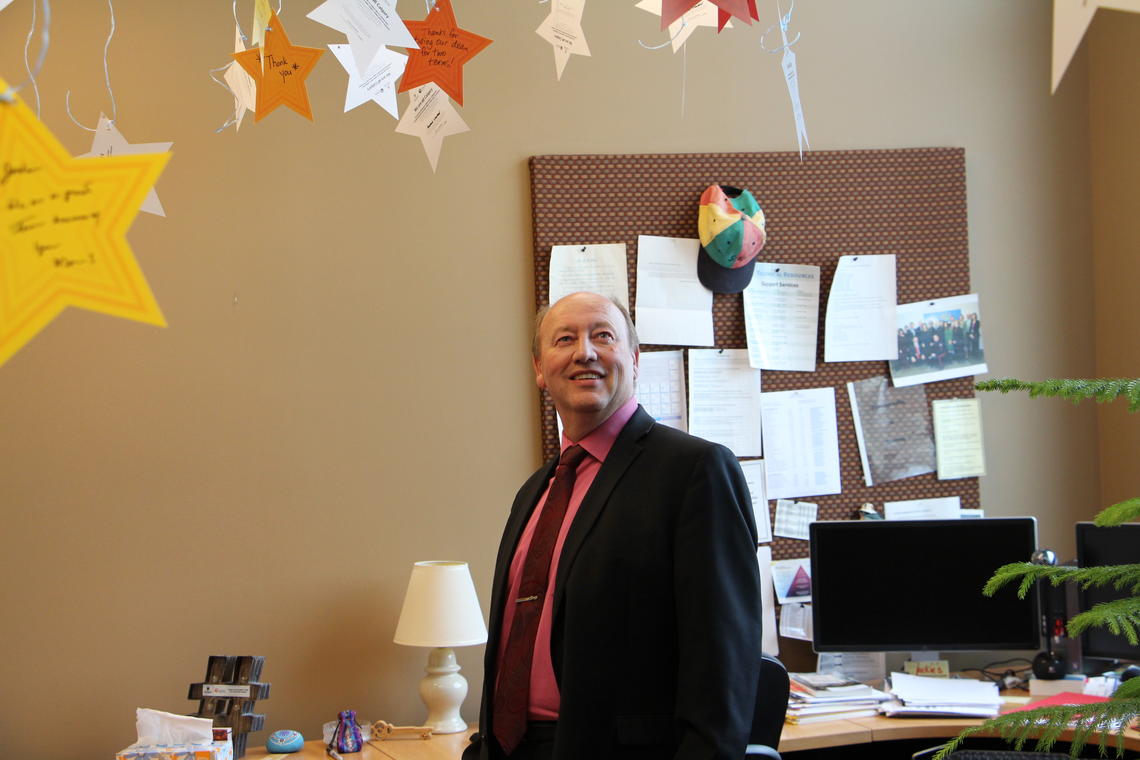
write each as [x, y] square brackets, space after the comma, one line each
[771, 704]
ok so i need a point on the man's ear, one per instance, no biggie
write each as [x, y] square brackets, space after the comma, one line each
[539, 380]
[636, 362]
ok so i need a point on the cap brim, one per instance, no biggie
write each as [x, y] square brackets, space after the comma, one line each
[719, 279]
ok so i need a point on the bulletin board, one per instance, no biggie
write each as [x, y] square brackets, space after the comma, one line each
[910, 203]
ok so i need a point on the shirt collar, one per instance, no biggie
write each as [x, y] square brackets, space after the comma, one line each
[600, 440]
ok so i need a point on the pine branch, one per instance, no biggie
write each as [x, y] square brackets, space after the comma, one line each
[1121, 512]
[1103, 390]
[1045, 726]
[1120, 616]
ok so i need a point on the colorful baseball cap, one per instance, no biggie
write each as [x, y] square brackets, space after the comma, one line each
[731, 228]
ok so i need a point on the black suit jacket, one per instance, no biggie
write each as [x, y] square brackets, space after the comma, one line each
[656, 623]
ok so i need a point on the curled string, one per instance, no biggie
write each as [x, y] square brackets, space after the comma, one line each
[213, 73]
[784, 21]
[431, 5]
[244, 39]
[106, 78]
[669, 41]
[9, 95]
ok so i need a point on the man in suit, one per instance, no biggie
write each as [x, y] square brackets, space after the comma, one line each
[642, 637]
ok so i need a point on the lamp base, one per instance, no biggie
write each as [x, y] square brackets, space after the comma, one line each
[443, 691]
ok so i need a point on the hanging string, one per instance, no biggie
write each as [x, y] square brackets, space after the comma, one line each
[106, 78]
[9, 95]
[784, 21]
[244, 39]
[431, 5]
[669, 41]
[233, 120]
[684, 75]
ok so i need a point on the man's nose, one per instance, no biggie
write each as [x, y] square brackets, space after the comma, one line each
[585, 350]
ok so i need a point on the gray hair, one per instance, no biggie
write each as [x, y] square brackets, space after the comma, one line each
[630, 329]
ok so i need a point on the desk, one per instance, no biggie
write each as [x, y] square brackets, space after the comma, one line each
[839, 733]
[832, 733]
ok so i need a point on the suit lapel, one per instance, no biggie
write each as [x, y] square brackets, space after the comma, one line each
[626, 448]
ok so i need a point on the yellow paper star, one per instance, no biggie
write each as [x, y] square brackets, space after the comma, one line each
[63, 224]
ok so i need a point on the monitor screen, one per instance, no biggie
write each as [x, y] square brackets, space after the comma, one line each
[1118, 545]
[912, 585]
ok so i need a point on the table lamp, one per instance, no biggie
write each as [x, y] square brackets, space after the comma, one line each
[441, 611]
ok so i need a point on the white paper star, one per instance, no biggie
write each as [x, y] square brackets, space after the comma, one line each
[431, 117]
[563, 30]
[110, 142]
[1071, 18]
[377, 83]
[241, 84]
[368, 24]
[703, 13]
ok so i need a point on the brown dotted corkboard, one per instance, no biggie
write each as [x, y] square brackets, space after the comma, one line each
[910, 202]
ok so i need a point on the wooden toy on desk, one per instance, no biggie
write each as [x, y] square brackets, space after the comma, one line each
[382, 729]
[228, 693]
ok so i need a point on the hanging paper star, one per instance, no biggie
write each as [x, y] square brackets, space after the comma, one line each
[285, 68]
[240, 83]
[563, 30]
[261, 14]
[444, 48]
[377, 83]
[431, 117]
[368, 24]
[110, 142]
[703, 13]
[1071, 18]
[745, 10]
[63, 224]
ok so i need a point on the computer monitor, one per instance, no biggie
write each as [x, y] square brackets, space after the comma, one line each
[1117, 545]
[913, 585]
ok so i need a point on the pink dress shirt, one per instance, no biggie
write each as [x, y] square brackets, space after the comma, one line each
[544, 696]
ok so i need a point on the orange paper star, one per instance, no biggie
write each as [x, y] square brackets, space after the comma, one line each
[281, 76]
[444, 48]
[63, 225]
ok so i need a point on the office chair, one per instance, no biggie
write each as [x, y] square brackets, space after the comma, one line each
[771, 706]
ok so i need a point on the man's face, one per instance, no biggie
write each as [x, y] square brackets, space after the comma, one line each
[585, 361]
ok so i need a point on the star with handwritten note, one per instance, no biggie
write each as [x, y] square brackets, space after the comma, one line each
[109, 141]
[563, 30]
[368, 24]
[444, 48]
[431, 117]
[281, 76]
[376, 83]
[63, 225]
[704, 13]
[745, 10]
[241, 84]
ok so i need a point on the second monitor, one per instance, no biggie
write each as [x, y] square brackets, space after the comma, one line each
[913, 585]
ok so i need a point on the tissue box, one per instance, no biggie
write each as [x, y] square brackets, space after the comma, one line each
[213, 751]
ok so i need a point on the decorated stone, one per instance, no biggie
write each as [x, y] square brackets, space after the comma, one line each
[284, 741]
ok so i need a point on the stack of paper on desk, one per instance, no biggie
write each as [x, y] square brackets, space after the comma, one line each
[921, 696]
[812, 700]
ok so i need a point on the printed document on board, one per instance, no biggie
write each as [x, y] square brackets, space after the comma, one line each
[673, 308]
[801, 442]
[781, 316]
[592, 268]
[860, 322]
[724, 399]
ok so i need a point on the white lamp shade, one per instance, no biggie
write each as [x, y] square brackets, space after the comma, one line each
[441, 608]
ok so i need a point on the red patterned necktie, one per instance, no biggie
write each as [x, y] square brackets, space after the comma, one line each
[512, 692]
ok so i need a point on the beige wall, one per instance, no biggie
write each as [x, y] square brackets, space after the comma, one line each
[344, 385]
[1114, 119]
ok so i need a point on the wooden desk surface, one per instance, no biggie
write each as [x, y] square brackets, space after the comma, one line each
[832, 733]
[438, 747]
